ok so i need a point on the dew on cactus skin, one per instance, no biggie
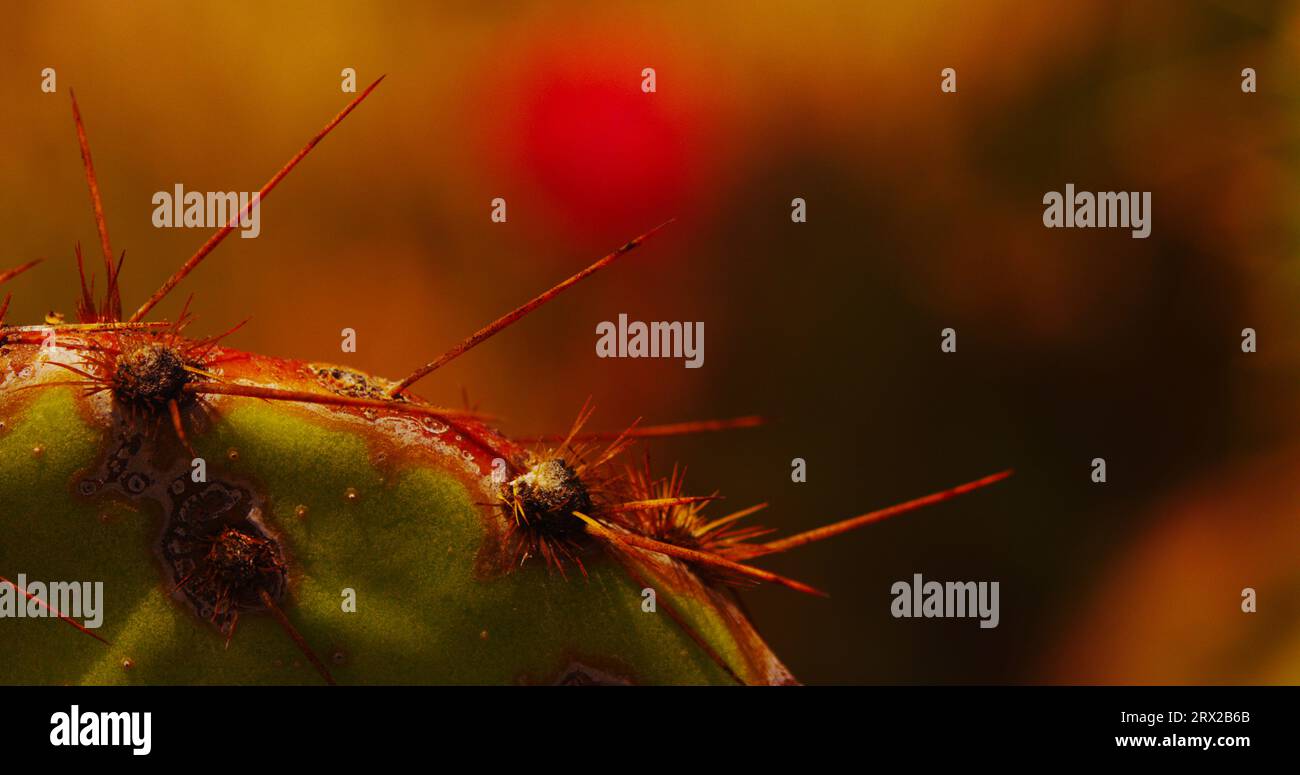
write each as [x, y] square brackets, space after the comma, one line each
[232, 455]
[127, 664]
[301, 512]
[351, 495]
[38, 450]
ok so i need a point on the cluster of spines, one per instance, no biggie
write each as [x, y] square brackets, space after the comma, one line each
[630, 509]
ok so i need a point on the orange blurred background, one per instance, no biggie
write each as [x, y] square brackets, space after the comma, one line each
[924, 212]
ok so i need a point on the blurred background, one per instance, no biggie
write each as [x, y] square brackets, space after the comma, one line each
[924, 212]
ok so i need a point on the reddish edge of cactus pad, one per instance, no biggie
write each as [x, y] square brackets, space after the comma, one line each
[234, 504]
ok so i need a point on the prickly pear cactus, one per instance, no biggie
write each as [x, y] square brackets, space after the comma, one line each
[255, 520]
[309, 505]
